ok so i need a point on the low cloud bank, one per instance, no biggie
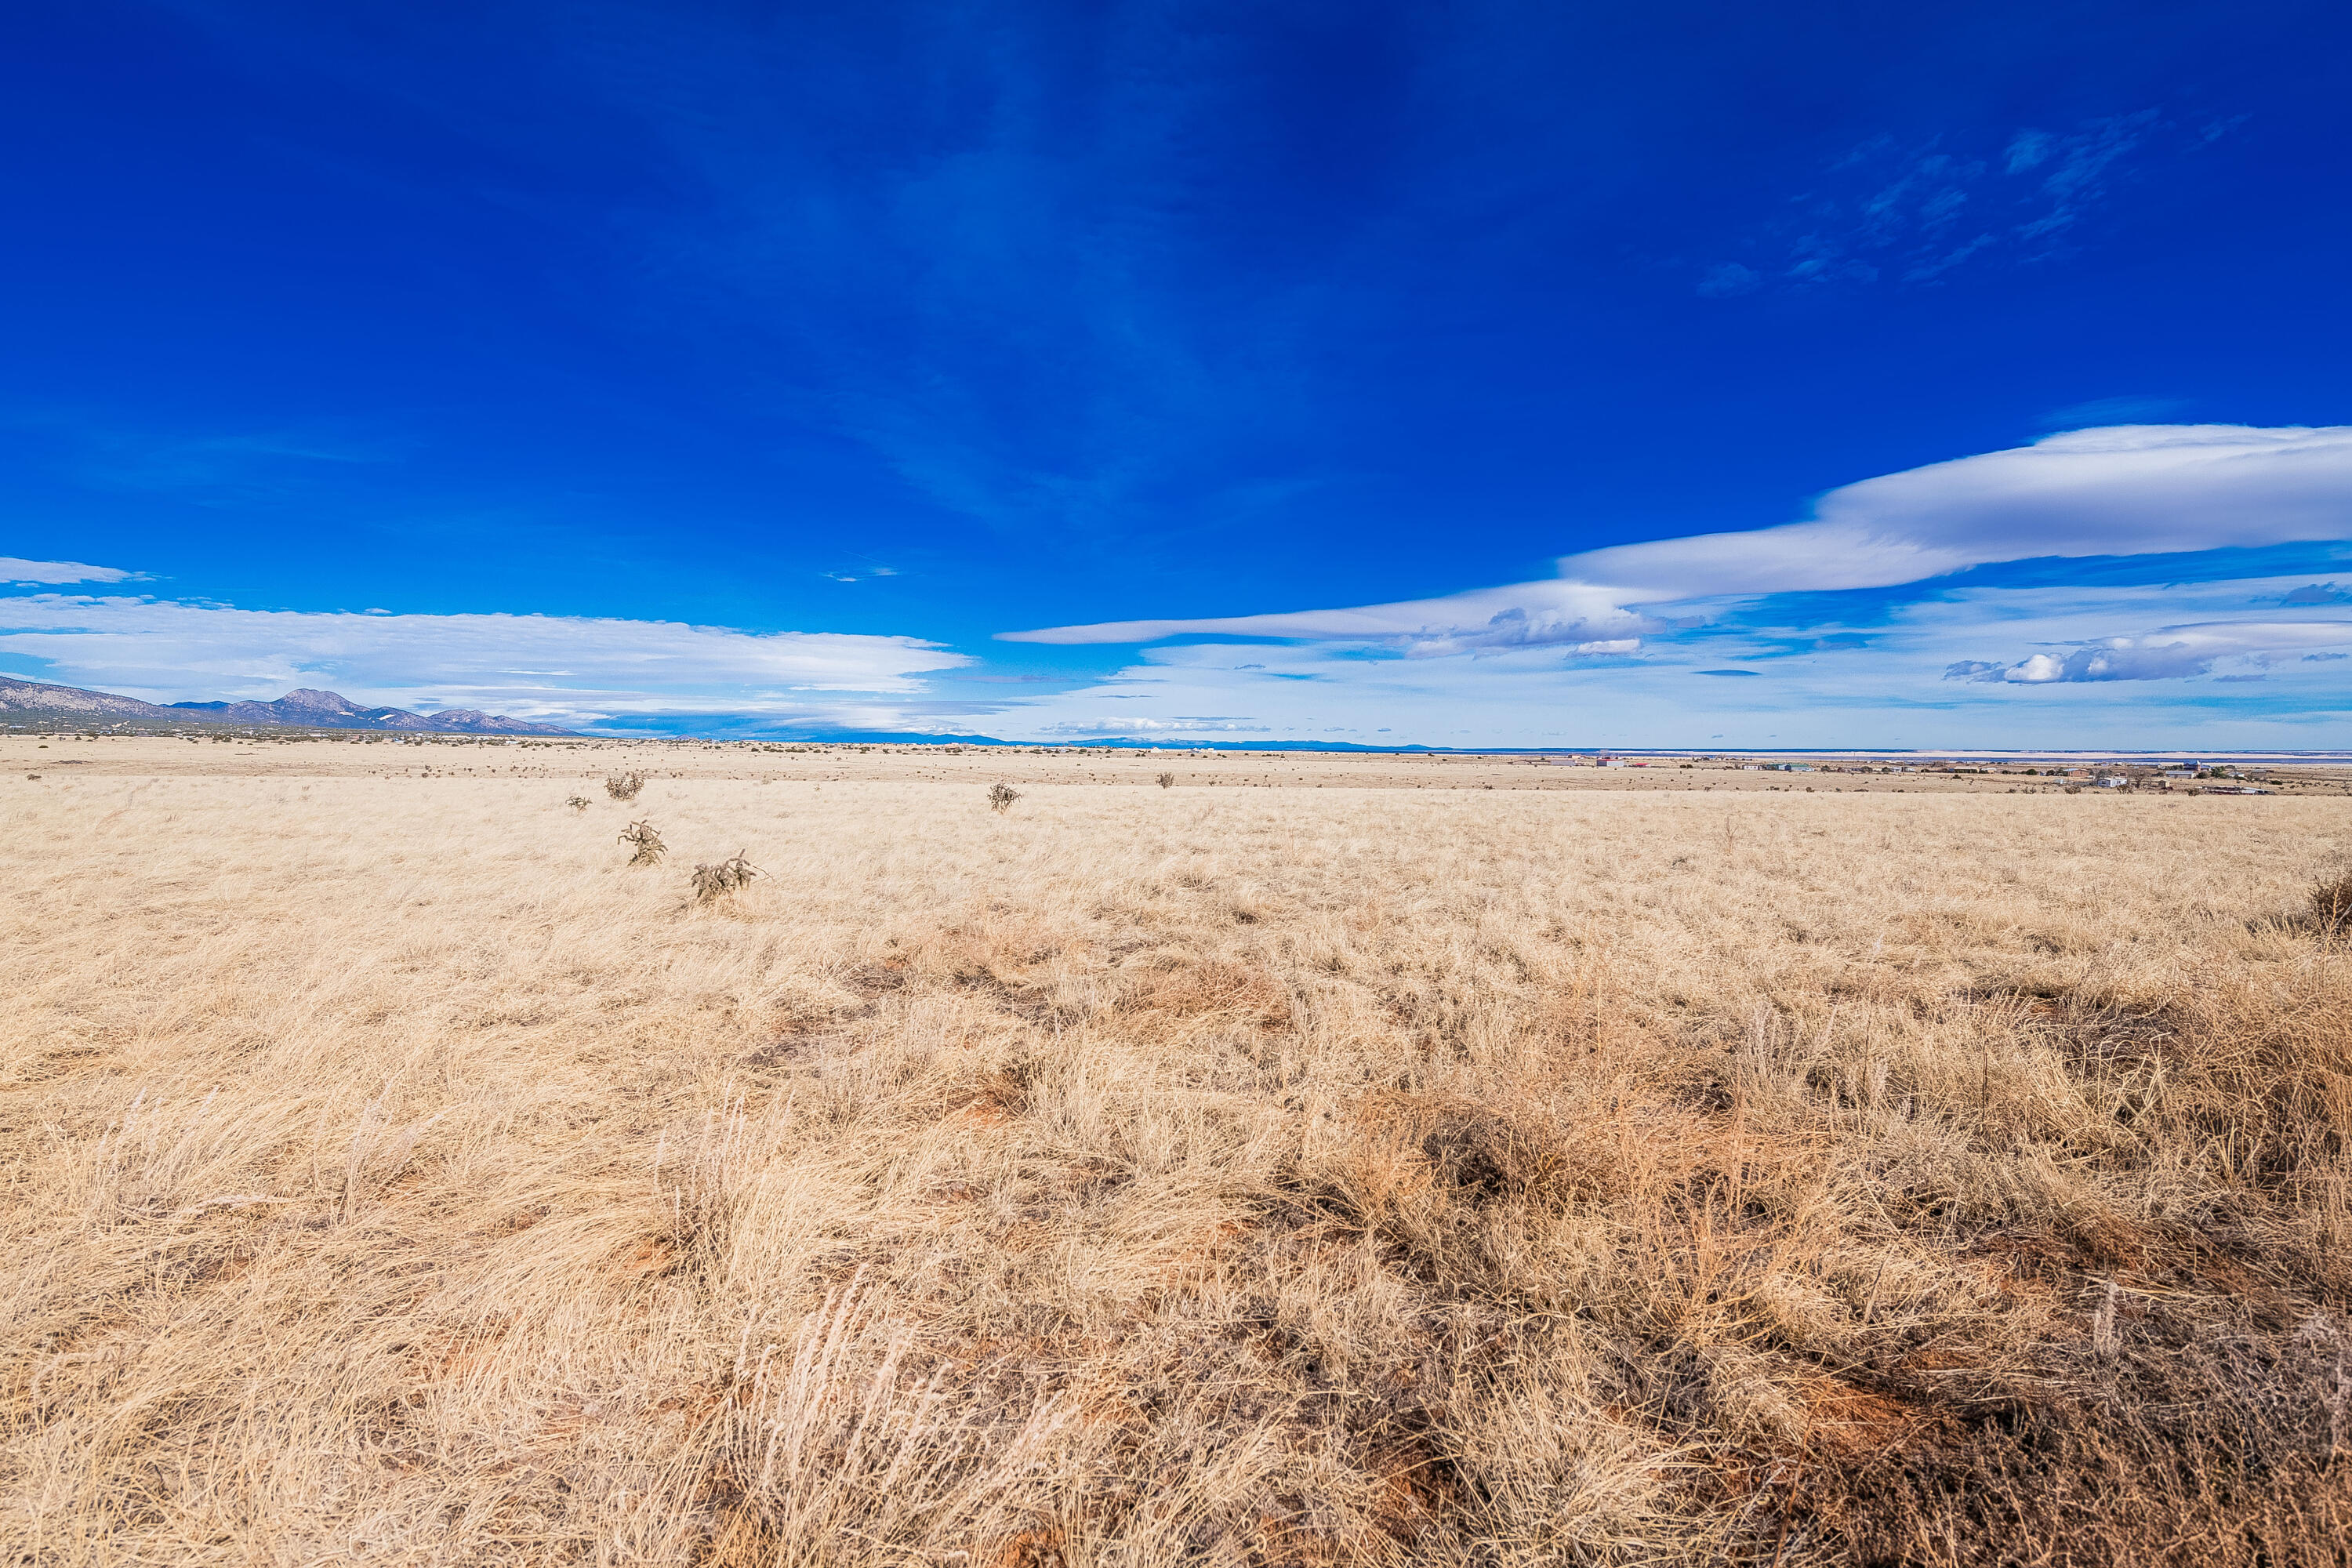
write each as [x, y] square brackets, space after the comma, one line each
[561, 668]
[2169, 653]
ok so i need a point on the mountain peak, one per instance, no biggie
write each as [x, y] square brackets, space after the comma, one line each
[303, 708]
[307, 697]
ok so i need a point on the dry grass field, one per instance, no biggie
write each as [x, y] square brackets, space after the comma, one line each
[1396, 1171]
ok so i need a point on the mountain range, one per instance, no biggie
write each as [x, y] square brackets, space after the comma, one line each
[303, 708]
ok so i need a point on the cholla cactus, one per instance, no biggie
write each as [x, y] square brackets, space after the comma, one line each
[726, 877]
[645, 842]
[624, 786]
[1167, 781]
[577, 802]
[1001, 798]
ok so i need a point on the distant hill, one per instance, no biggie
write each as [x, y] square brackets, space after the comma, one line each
[31, 697]
[303, 709]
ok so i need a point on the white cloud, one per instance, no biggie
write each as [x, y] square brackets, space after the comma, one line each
[567, 670]
[1886, 690]
[1878, 683]
[2168, 653]
[1126, 726]
[2131, 490]
[13, 570]
[1525, 614]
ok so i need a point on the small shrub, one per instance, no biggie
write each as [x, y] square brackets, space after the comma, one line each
[624, 786]
[577, 802]
[645, 842]
[1001, 798]
[726, 877]
[1167, 781]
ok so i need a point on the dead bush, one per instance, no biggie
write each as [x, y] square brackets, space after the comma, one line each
[721, 877]
[1001, 798]
[624, 786]
[645, 843]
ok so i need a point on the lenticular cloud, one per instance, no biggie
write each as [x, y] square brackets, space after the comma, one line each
[2125, 490]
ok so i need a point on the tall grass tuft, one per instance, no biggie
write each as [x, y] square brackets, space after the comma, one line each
[2331, 904]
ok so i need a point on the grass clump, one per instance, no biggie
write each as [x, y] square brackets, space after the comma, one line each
[1001, 798]
[624, 786]
[723, 878]
[645, 842]
[2330, 908]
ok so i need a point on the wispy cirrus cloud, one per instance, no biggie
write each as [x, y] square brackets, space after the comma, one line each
[563, 669]
[1912, 212]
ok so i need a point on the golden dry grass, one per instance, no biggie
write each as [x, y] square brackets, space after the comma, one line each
[395, 1175]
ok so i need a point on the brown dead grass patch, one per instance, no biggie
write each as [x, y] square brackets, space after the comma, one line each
[1528, 1179]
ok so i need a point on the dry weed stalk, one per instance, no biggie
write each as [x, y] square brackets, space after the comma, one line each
[645, 843]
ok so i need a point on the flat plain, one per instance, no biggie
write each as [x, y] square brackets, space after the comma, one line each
[1314, 1161]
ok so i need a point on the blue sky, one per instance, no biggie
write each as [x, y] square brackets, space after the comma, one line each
[1462, 373]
